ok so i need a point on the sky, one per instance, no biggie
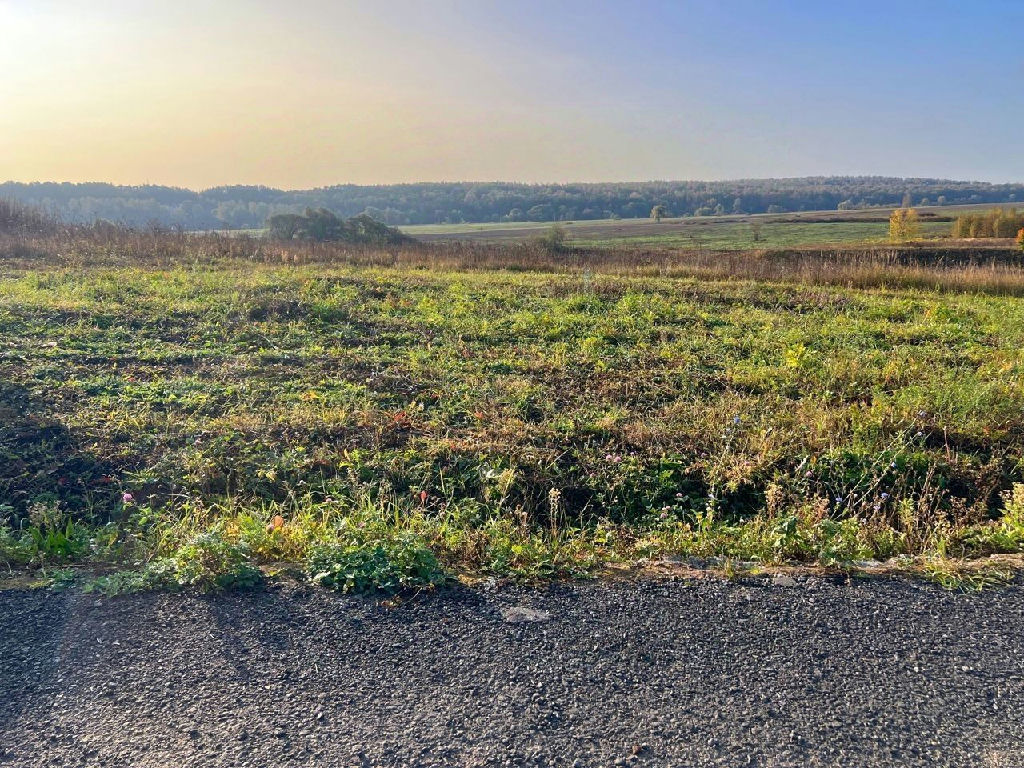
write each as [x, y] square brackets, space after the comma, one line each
[317, 92]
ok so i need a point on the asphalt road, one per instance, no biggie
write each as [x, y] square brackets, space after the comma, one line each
[683, 673]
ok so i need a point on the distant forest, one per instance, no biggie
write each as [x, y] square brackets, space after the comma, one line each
[247, 207]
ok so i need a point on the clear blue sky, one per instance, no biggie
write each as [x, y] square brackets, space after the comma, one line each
[316, 92]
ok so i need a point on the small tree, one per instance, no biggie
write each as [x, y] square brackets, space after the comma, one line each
[897, 226]
[553, 241]
[913, 225]
[903, 225]
[657, 212]
[1020, 239]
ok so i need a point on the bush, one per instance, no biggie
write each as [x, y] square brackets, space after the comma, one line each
[554, 240]
[385, 565]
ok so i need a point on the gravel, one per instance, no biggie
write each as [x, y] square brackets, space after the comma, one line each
[679, 673]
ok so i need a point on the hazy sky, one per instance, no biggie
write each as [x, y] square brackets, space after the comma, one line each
[315, 92]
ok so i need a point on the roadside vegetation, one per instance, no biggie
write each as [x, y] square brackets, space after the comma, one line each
[204, 412]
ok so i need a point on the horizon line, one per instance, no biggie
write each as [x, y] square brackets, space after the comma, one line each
[735, 180]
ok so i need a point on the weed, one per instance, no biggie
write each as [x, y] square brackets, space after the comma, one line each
[387, 565]
[388, 424]
[61, 579]
[964, 576]
[207, 562]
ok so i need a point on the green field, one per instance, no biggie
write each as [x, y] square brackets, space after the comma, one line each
[397, 427]
[740, 236]
[706, 233]
[734, 232]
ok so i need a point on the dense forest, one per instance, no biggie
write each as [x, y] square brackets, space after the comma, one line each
[247, 207]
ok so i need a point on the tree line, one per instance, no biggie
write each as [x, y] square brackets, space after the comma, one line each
[995, 223]
[249, 207]
[322, 226]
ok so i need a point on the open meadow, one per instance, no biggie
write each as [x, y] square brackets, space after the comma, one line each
[727, 232]
[207, 412]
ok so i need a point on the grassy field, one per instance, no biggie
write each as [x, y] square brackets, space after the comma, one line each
[732, 232]
[189, 425]
[740, 235]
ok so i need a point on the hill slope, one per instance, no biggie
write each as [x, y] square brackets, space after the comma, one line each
[246, 207]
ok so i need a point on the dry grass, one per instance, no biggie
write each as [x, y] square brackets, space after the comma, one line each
[960, 267]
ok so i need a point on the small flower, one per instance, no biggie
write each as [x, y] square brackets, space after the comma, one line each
[885, 496]
[127, 498]
[735, 419]
[808, 473]
[839, 499]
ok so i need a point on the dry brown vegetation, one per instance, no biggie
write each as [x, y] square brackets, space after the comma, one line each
[19, 219]
[957, 266]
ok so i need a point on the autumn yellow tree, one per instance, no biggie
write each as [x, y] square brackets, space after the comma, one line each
[1020, 239]
[903, 225]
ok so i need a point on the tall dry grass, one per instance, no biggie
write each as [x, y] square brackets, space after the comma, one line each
[19, 219]
[955, 267]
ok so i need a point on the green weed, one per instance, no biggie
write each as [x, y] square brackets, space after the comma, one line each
[187, 425]
[393, 564]
[957, 575]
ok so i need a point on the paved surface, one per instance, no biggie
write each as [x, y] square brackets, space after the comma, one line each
[703, 673]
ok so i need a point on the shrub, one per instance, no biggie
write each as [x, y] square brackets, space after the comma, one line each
[554, 240]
